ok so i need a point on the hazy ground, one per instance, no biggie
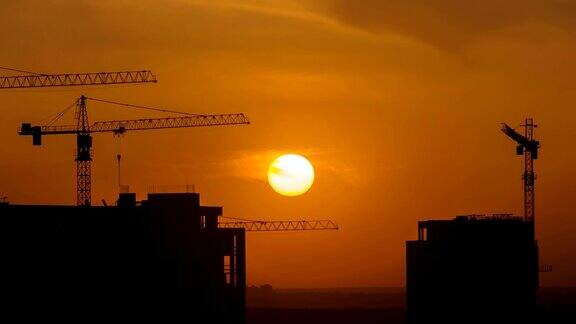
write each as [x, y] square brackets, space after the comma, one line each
[370, 305]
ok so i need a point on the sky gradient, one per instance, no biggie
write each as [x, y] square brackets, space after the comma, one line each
[396, 104]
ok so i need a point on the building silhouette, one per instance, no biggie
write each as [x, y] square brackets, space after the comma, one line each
[472, 269]
[163, 257]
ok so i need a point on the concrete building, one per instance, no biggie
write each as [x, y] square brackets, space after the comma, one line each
[472, 269]
[163, 257]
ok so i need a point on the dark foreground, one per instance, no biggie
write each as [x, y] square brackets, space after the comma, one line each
[332, 316]
[372, 305]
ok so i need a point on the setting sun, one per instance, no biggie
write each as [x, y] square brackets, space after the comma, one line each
[291, 175]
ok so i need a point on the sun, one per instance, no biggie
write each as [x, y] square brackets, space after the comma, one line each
[291, 175]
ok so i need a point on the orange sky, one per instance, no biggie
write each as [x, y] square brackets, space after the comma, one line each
[396, 103]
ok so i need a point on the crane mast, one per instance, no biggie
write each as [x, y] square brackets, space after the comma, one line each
[529, 176]
[83, 155]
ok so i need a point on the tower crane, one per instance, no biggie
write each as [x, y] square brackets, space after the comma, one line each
[83, 131]
[528, 147]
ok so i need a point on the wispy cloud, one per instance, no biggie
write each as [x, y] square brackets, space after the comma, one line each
[284, 9]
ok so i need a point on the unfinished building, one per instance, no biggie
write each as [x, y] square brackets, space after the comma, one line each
[164, 255]
[472, 269]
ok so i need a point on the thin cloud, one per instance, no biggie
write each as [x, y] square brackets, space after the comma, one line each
[448, 24]
[286, 11]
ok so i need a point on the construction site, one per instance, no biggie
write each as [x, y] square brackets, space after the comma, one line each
[170, 254]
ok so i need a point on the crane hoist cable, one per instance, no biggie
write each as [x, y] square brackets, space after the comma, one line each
[143, 107]
[20, 71]
[56, 117]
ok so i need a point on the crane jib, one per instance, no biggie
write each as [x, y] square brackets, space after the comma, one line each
[76, 79]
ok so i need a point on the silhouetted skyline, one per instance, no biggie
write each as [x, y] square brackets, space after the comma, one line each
[397, 105]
